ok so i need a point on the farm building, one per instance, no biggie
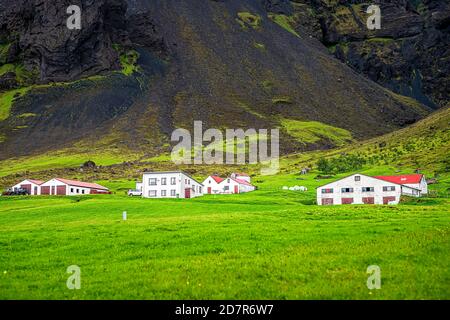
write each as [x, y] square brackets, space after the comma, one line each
[241, 176]
[362, 189]
[234, 185]
[416, 181]
[64, 187]
[32, 186]
[212, 185]
[175, 184]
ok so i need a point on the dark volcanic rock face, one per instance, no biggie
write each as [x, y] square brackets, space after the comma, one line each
[410, 54]
[229, 63]
[49, 50]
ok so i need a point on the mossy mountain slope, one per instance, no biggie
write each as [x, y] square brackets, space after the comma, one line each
[226, 63]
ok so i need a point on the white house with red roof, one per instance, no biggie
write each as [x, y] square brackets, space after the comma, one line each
[416, 181]
[32, 186]
[236, 183]
[212, 185]
[362, 189]
[233, 185]
[65, 187]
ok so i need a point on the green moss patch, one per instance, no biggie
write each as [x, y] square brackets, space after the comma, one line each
[7, 99]
[128, 60]
[286, 22]
[309, 132]
[247, 19]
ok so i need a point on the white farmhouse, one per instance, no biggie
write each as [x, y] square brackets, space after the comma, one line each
[233, 186]
[362, 189]
[212, 185]
[65, 187]
[416, 181]
[175, 184]
[32, 186]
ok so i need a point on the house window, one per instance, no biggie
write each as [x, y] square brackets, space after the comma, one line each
[152, 193]
[357, 178]
[164, 181]
[82, 191]
[173, 193]
[347, 190]
[173, 181]
[163, 193]
[152, 182]
[226, 188]
[387, 189]
[71, 190]
[200, 190]
[78, 190]
[368, 189]
[327, 190]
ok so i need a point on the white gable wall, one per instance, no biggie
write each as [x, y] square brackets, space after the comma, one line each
[211, 183]
[379, 196]
[35, 189]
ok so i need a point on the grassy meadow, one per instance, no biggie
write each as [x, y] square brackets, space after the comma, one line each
[270, 244]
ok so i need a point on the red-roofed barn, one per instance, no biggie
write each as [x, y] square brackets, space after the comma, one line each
[65, 187]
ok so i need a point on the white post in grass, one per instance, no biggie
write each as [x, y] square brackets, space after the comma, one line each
[124, 216]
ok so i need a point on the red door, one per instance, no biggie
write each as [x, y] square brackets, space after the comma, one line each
[209, 190]
[26, 187]
[369, 200]
[236, 189]
[45, 191]
[187, 193]
[347, 200]
[61, 190]
[327, 202]
[386, 200]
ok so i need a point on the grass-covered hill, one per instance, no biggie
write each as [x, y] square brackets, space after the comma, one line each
[424, 145]
[137, 70]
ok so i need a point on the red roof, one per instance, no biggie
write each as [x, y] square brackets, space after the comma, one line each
[240, 181]
[403, 179]
[217, 179]
[38, 182]
[82, 184]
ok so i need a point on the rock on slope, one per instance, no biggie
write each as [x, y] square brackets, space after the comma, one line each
[226, 63]
[410, 54]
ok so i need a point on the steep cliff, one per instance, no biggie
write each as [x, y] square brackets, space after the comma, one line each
[138, 69]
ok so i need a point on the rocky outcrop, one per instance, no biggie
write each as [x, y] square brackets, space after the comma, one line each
[49, 51]
[410, 53]
[226, 63]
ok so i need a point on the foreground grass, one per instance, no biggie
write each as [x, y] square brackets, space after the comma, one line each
[266, 245]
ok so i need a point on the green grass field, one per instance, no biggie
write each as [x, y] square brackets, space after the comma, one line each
[270, 244]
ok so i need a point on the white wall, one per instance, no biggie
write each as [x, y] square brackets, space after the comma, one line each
[378, 194]
[33, 185]
[211, 183]
[70, 190]
[169, 190]
[422, 186]
[228, 186]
